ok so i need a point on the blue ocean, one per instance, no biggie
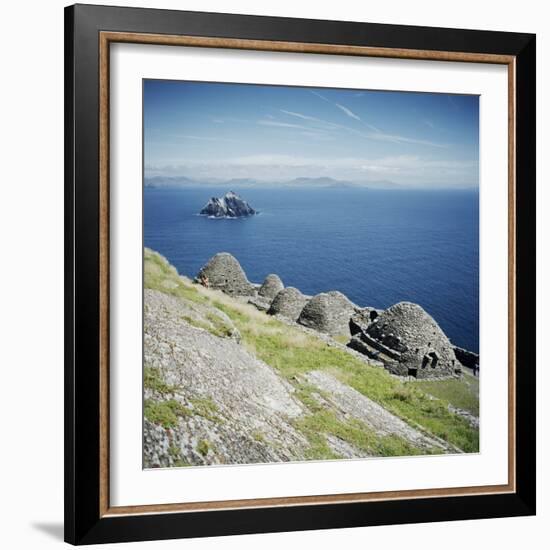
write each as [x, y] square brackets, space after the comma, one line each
[378, 247]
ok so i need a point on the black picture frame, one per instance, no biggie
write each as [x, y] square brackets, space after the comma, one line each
[84, 523]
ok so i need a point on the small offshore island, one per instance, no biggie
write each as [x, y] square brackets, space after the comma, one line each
[228, 206]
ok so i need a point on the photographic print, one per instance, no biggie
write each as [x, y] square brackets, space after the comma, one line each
[311, 274]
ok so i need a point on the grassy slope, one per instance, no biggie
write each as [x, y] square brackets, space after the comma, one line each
[292, 353]
[462, 393]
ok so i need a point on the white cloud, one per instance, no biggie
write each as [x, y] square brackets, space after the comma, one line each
[376, 133]
[278, 124]
[204, 138]
[300, 115]
[403, 169]
[319, 95]
[348, 112]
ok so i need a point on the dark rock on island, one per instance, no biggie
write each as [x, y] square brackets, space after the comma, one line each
[228, 206]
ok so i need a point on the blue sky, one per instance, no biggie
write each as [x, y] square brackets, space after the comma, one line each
[213, 131]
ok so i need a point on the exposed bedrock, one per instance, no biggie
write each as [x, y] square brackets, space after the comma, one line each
[224, 405]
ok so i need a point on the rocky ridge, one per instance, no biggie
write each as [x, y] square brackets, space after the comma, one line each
[212, 396]
[224, 402]
[405, 338]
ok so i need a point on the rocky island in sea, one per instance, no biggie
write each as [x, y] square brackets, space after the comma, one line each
[228, 206]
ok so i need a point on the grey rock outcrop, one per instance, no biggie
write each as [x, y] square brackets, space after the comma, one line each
[260, 303]
[228, 206]
[289, 303]
[409, 342]
[225, 273]
[227, 406]
[328, 312]
[271, 286]
[359, 406]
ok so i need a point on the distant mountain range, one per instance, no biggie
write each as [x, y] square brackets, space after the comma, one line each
[317, 182]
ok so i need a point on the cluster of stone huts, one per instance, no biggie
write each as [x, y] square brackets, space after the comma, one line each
[406, 339]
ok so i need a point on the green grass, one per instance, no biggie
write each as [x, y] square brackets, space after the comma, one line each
[352, 431]
[323, 421]
[342, 338]
[165, 413]
[258, 436]
[160, 275]
[233, 313]
[462, 393]
[175, 452]
[416, 407]
[153, 381]
[215, 325]
[203, 447]
[205, 407]
[294, 353]
[218, 326]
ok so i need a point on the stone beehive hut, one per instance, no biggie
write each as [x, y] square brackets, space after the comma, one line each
[271, 287]
[410, 342]
[328, 312]
[289, 303]
[225, 273]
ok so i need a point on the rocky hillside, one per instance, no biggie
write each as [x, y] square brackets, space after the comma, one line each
[226, 382]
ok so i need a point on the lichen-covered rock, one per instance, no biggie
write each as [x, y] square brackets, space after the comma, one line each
[156, 446]
[225, 273]
[374, 415]
[262, 304]
[406, 335]
[207, 399]
[328, 312]
[289, 303]
[271, 286]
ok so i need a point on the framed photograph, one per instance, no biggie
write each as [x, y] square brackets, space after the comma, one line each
[300, 284]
